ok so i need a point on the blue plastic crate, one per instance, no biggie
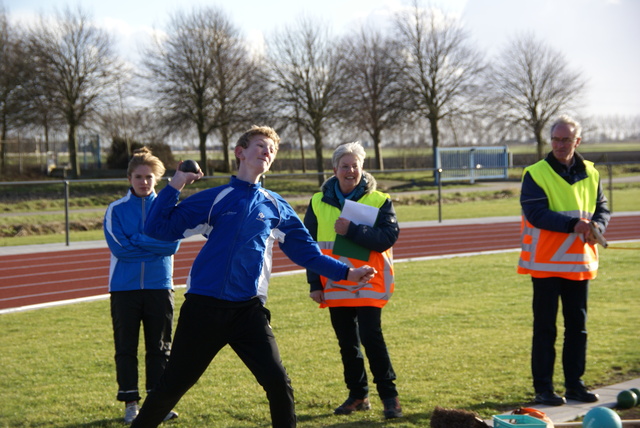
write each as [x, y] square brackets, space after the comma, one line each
[519, 421]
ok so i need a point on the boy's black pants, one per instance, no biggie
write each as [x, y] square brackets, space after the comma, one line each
[205, 326]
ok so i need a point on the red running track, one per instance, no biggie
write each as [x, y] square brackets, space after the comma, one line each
[28, 279]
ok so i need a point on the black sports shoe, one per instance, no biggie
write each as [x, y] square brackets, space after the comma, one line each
[392, 408]
[549, 398]
[581, 394]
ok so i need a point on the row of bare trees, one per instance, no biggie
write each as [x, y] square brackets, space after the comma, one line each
[56, 73]
[201, 77]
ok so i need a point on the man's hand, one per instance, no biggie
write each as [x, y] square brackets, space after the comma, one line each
[595, 236]
[317, 296]
[181, 178]
[361, 275]
[582, 227]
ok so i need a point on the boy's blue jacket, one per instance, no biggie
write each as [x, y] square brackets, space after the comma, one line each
[241, 221]
[137, 261]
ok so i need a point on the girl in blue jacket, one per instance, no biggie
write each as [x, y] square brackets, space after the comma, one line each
[140, 282]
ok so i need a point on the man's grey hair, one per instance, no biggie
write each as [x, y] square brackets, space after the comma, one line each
[354, 148]
[567, 120]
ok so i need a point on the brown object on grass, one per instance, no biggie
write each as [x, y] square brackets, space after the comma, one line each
[454, 418]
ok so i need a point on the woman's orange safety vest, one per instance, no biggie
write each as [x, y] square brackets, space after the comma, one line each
[346, 293]
[555, 254]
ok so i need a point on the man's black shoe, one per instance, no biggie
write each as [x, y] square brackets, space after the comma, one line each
[549, 398]
[581, 395]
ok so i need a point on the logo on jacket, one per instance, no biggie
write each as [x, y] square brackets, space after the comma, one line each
[260, 217]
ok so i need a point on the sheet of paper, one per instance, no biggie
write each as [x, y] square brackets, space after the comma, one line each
[359, 213]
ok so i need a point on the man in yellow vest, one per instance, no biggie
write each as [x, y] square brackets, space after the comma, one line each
[561, 197]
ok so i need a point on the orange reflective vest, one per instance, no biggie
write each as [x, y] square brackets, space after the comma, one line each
[555, 254]
[346, 293]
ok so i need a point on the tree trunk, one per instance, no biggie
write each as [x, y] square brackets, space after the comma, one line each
[376, 145]
[224, 136]
[304, 164]
[46, 135]
[202, 136]
[73, 151]
[539, 143]
[319, 157]
[3, 148]
[435, 142]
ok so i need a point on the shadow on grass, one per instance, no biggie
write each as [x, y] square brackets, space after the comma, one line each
[107, 422]
[420, 419]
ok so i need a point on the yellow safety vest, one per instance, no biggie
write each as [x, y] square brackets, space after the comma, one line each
[346, 293]
[555, 254]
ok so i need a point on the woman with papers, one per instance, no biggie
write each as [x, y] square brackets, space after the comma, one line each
[357, 224]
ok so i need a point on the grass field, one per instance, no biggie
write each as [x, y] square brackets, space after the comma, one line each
[458, 330]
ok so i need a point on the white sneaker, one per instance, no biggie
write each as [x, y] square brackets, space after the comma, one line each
[131, 411]
[171, 415]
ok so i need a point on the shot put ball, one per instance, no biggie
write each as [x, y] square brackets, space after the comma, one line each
[626, 399]
[190, 166]
[601, 417]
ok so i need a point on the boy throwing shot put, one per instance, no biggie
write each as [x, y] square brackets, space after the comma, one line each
[228, 282]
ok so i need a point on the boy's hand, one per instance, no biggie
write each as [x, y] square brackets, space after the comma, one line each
[361, 275]
[181, 178]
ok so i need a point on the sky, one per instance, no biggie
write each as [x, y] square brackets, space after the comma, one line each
[599, 38]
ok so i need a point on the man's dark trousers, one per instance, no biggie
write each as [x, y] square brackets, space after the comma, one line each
[547, 292]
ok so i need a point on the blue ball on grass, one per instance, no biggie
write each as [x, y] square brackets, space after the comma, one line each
[601, 417]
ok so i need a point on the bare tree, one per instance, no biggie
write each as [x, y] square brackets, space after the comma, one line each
[129, 118]
[532, 83]
[306, 71]
[14, 72]
[77, 66]
[613, 128]
[130, 124]
[202, 75]
[241, 92]
[374, 98]
[442, 70]
[40, 111]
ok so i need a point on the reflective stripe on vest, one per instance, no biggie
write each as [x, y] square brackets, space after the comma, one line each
[346, 293]
[546, 253]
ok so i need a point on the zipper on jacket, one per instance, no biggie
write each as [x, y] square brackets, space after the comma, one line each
[235, 240]
[143, 216]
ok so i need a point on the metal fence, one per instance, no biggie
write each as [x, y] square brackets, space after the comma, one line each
[63, 189]
[473, 163]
